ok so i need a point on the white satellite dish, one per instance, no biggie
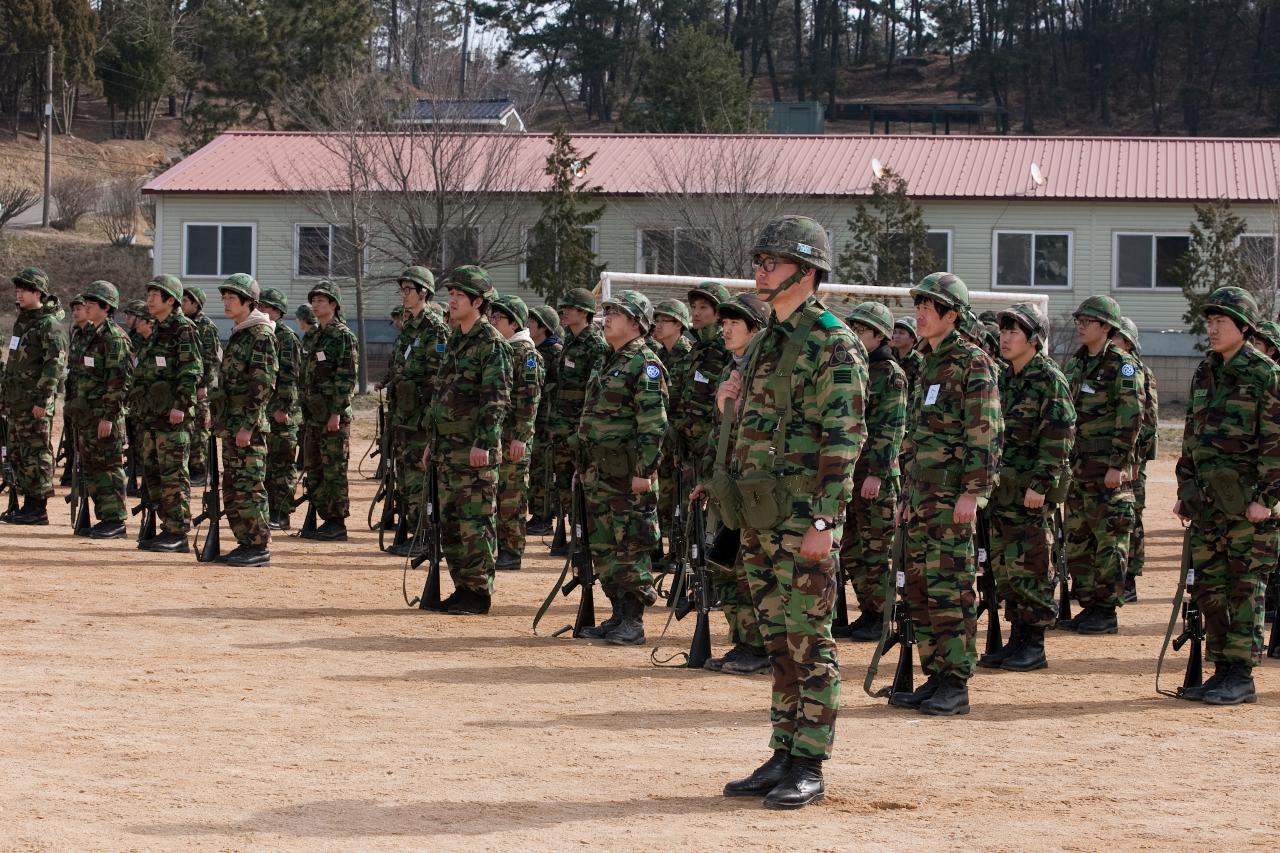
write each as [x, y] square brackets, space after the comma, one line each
[877, 168]
[1037, 177]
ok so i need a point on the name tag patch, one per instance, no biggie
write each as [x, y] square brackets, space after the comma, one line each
[14, 341]
[1087, 388]
[320, 356]
[568, 363]
[161, 361]
[698, 377]
[931, 396]
[88, 361]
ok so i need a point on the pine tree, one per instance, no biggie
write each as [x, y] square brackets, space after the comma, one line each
[1212, 260]
[559, 256]
[695, 85]
[888, 246]
[75, 56]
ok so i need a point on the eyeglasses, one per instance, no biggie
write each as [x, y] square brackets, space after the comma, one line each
[1087, 321]
[768, 263]
[614, 312]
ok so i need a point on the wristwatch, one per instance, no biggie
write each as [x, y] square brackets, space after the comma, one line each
[822, 525]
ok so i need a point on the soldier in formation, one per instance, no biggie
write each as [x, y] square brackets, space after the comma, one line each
[1127, 339]
[283, 412]
[544, 328]
[81, 330]
[673, 348]
[193, 299]
[510, 316]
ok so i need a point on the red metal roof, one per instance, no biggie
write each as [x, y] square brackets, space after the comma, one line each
[936, 167]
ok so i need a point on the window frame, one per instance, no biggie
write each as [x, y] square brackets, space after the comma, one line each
[1115, 260]
[297, 252]
[524, 248]
[675, 248]
[186, 245]
[1070, 234]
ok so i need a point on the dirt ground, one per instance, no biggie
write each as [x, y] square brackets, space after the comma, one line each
[147, 702]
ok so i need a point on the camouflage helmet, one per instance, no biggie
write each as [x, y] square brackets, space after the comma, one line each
[675, 309]
[514, 308]
[169, 285]
[580, 298]
[420, 276]
[547, 317]
[989, 316]
[196, 294]
[874, 316]
[78, 299]
[747, 307]
[1269, 331]
[712, 291]
[305, 313]
[32, 278]
[137, 308]
[797, 238]
[946, 289]
[1029, 318]
[908, 323]
[104, 292]
[635, 305]
[1101, 308]
[1234, 302]
[274, 298]
[324, 287]
[1129, 331]
[471, 280]
[242, 285]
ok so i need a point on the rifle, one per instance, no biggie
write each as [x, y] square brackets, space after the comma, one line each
[840, 615]
[579, 560]
[147, 528]
[678, 595]
[376, 450]
[549, 484]
[78, 497]
[8, 482]
[904, 634]
[1061, 572]
[211, 510]
[430, 598]
[697, 587]
[134, 464]
[990, 598]
[1273, 589]
[1192, 626]
[308, 523]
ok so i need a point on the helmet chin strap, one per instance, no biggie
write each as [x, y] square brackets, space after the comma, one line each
[771, 293]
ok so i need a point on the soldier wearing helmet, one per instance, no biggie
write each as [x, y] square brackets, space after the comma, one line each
[1228, 488]
[471, 402]
[674, 346]
[952, 449]
[583, 353]
[903, 342]
[544, 328]
[1106, 390]
[331, 363]
[96, 395]
[869, 520]
[193, 299]
[1039, 426]
[240, 412]
[37, 358]
[798, 434]
[619, 442]
[1126, 337]
[283, 412]
[163, 397]
[81, 331]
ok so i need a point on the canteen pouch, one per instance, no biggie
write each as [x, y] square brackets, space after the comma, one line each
[1226, 493]
[76, 409]
[217, 401]
[612, 462]
[1007, 491]
[316, 409]
[158, 397]
[1058, 491]
[406, 399]
[1192, 500]
[723, 490]
[764, 504]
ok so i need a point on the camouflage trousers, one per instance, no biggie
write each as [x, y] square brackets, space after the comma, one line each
[198, 464]
[325, 460]
[1232, 560]
[244, 489]
[102, 461]
[622, 535]
[794, 598]
[939, 585]
[1020, 550]
[282, 471]
[564, 464]
[867, 541]
[164, 471]
[666, 494]
[468, 534]
[31, 453]
[1138, 535]
[513, 504]
[1098, 522]
[736, 604]
[413, 477]
[541, 481]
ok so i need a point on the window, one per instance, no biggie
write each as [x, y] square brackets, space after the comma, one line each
[325, 251]
[217, 251]
[1031, 259]
[673, 251]
[592, 241]
[939, 244]
[460, 246]
[1145, 260]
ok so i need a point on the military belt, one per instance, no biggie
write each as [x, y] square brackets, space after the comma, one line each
[1092, 445]
[454, 428]
[936, 476]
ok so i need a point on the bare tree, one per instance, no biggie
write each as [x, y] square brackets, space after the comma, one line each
[15, 200]
[1258, 257]
[118, 218]
[75, 193]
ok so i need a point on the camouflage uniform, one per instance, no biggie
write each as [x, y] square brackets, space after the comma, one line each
[1146, 450]
[79, 336]
[211, 357]
[1231, 457]
[246, 383]
[582, 354]
[676, 362]
[910, 363]
[282, 442]
[37, 359]
[527, 375]
[472, 399]
[1106, 390]
[541, 502]
[693, 390]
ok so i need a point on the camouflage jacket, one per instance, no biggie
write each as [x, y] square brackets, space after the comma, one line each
[676, 358]
[210, 349]
[911, 364]
[1148, 435]
[420, 352]
[168, 371]
[549, 349]
[473, 395]
[137, 343]
[79, 338]
[624, 416]
[36, 361]
[100, 386]
[1231, 437]
[527, 376]
[581, 356]
[953, 442]
[693, 392]
[886, 418]
[828, 398]
[328, 381]
[247, 376]
[1039, 427]
[1107, 392]
[288, 363]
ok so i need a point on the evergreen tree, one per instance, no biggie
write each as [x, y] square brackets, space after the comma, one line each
[74, 62]
[888, 246]
[695, 85]
[559, 256]
[1212, 260]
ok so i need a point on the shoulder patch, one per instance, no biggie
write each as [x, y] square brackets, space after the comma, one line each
[652, 370]
[1127, 369]
[829, 321]
[530, 363]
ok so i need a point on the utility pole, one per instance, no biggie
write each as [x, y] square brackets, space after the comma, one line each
[48, 134]
[466, 37]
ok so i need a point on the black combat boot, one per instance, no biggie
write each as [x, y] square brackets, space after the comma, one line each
[107, 530]
[538, 526]
[469, 602]
[1130, 589]
[749, 662]
[1236, 689]
[994, 660]
[870, 630]
[629, 631]
[1030, 652]
[33, 512]
[763, 779]
[597, 632]
[170, 543]
[333, 530]
[950, 699]
[1196, 694]
[915, 698]
[560, 542]
[1101, 621]
[507, 561]
[717, 664]
[803, 785]
[249, 555]
[1073, 623]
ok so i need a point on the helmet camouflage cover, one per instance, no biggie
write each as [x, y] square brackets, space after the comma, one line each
[635, 305]
[748, 307]
[195, 293]
[274, 298]
[421, 276]
[946, 289]
[1101, 308]
[326, 288]
[1234, 302]
[675, 309]
[514, 308]
[242, 285]
[471, 280]
[1029, 317]
[797, 238]
[547, 317]
[169, 285]
[32, 278]
[104, 292]
[712, 291]
[874, 316]
[580, 298]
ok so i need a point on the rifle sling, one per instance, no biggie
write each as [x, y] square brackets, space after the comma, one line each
[886, 615]
[1177, 609]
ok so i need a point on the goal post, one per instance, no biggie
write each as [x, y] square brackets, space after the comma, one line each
[839, 298]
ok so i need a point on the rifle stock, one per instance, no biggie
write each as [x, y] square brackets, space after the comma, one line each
[78, 498]
[430, 598]
[309, 522]
[211, 503]
[583, 570]
[147, 527]
[1192, 632]
[990, 599]
[678, 595]
[6, 470]
[1061, 571]
[903, 633]
[697, 587]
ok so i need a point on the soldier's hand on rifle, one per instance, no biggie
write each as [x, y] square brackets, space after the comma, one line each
[104, 429]
[816, 544]
[966, 509]
[1257, 512]
[1177, 510]
[1032, 499]
[1114, 478]
[515, 450]
[426, 456]
[333, 423]
[731, 388]
[870, 488]
[37, 412]
[202, 393]
[243, 437]
[640, 485]
[280, 416]
[699, 492]
[479, 457]
[175, 417]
